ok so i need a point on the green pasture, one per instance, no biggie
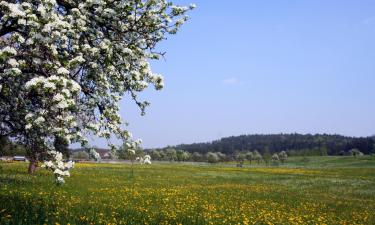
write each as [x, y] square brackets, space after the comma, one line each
[305, 190]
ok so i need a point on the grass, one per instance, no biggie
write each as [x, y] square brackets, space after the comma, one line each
[317, 190]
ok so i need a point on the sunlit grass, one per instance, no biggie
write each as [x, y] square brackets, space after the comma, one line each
[294, 193]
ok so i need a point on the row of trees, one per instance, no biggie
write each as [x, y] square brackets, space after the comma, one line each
[172, 154]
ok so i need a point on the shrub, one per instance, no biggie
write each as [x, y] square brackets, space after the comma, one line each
[212, 157]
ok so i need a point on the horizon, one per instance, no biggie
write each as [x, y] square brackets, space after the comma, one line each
[256, 67]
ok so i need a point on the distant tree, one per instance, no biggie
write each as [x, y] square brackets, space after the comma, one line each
[275, 157]
[257, 156]
[222, 156]
[249, 156]
[113, 155]
[162, 155]
[182, 155]
[355, 152]
[171, 154]
[5, 145]
[81, 155]
[197, 157]
[8, 148]
[155, 155]
[186, 156]
[240, 159]
[212, 157]
[267, 155]
[130, 151]
[14, 149]
[283, 156]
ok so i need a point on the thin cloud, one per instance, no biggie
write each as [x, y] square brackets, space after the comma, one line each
[231, 81]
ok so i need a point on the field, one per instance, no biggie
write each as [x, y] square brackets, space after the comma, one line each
[317, 190]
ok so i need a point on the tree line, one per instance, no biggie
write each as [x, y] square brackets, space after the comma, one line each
[172, 154]
[293, 144]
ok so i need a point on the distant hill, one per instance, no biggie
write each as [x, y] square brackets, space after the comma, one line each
[317, 144]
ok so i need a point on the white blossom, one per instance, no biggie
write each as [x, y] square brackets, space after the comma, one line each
[39, 120]
[58, 167]
[63, 71]
[13, 71]
[62, 105]
[15, 10]
[8, 50]
[12, 62]
[21, 22]
[58, 97]
[50, 85]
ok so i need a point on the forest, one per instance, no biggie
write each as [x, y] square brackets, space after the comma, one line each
[293, 144]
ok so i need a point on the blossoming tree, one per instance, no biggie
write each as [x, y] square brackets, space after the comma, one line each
[66, 64]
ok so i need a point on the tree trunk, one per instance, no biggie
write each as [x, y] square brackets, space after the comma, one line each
[32, 166]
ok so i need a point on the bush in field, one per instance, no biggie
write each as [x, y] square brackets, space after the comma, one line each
[283, 156]
[212, 157]
[66, 64]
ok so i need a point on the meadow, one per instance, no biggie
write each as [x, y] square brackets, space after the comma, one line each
[314, 190]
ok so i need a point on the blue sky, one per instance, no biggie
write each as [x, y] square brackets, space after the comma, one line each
[248, 67]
